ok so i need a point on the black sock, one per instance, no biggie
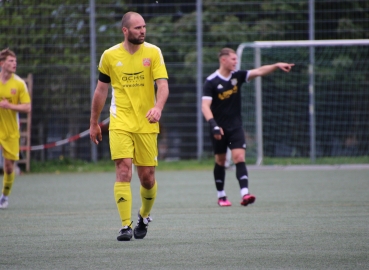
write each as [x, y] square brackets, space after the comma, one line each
[219, 177]
[242, 175]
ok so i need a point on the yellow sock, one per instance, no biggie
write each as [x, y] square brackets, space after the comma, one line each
[8, 181]
[123, 199]
[147, 198]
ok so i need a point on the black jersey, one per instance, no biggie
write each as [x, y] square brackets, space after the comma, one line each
[226, 97]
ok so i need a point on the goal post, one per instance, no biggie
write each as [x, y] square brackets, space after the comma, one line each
[290, 119]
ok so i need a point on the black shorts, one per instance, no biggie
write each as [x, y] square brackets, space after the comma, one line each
[232, 138]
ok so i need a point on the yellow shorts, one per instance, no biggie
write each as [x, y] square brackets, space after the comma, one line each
[10, 148]
[141, 147]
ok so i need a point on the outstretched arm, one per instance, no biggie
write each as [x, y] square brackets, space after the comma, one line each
[265, 70]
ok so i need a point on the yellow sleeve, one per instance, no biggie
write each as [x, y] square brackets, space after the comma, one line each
[23, 93]
[159, 70]
[103, 65]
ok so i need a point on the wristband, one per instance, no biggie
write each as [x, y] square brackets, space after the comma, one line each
[214, 127]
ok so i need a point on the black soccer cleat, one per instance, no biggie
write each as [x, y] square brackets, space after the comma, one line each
[141, 227]
[125, 234]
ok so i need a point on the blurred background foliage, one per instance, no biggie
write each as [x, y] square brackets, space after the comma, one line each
[52, 41]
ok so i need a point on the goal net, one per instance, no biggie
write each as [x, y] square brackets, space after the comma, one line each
[319, 109]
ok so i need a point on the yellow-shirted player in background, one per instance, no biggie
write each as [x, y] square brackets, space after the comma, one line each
[132, 67]
[14, 98]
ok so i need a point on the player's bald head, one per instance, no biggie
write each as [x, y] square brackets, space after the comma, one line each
[126, 19]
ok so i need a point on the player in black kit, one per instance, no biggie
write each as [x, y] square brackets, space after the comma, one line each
[221, 107]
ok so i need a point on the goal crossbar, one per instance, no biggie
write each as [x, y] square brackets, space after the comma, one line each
[305, 43]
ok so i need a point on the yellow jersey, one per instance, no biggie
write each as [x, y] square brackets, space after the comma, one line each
[132, 79]
[15, 91]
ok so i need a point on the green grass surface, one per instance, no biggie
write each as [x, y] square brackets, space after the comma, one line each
[68, 165]
[302, 219]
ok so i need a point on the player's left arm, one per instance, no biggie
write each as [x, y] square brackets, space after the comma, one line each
[154, 114]
[267, 69]
[22, 108]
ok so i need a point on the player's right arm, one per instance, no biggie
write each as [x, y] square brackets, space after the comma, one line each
[205, 107]
[206, 111]
[98, 102]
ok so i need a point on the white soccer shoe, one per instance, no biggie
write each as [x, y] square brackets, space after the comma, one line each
[3, 204]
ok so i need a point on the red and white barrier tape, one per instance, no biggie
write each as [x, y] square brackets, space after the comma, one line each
[65, 141]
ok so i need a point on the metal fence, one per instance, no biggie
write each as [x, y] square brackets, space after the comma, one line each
[52, 41]
[319, 110]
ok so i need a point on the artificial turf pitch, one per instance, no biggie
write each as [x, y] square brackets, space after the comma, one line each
[302, 219]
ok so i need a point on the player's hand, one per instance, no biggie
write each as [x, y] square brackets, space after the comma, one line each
[95, 133]
[285, 66]
[4, 103]
[153, 115]
[218, 135]
[215, 129]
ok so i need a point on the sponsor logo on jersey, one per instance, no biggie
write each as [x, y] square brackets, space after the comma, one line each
[220, 86]
[133, 79]
[146, 62]
[119, 64]
[133, 76]
[227, 94]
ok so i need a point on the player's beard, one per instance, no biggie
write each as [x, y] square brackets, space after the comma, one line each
[135, 41]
